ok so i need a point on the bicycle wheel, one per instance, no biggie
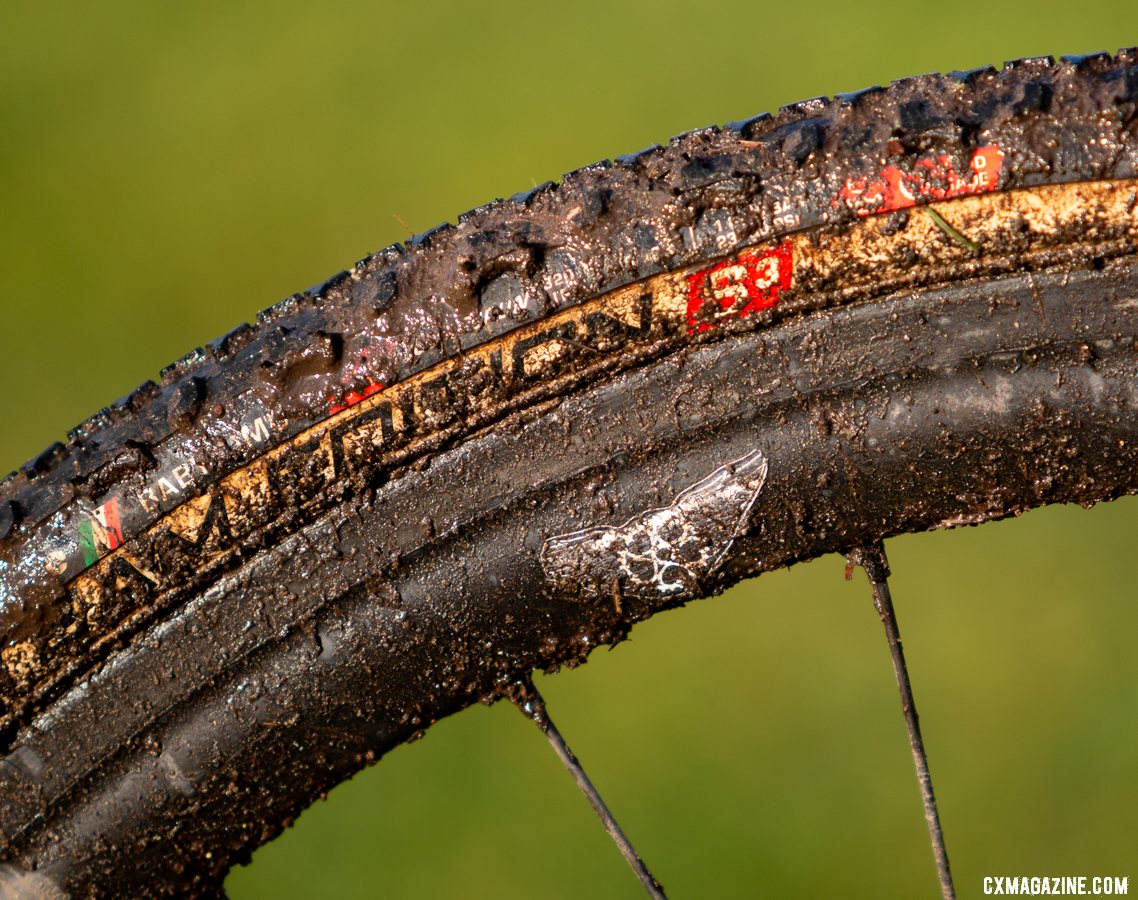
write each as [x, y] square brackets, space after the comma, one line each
[503, 445]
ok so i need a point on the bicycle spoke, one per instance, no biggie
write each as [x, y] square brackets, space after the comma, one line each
[529, 700]
[876, 566]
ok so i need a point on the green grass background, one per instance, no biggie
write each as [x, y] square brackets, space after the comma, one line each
[166, 170]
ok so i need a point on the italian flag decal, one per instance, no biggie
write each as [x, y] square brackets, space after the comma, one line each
[101, 532]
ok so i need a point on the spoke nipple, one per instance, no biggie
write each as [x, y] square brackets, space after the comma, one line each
[524, 695]
[871, 558]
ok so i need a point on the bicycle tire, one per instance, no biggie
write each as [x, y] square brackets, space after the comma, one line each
[473, 520]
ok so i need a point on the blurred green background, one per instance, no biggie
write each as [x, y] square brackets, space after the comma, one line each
[166, 170]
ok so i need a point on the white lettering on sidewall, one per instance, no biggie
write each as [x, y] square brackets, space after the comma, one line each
[171, 485]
